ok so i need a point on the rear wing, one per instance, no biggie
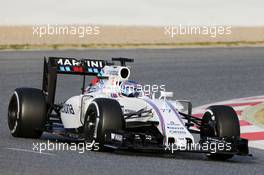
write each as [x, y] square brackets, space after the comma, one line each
[53, 66]
[74, 66]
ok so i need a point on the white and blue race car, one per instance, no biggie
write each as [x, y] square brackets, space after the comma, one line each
[116, 113]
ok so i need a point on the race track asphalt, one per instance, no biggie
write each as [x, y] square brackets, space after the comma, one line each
[203, 75]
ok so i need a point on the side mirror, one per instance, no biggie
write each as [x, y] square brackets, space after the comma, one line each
[187, 106]
[164, 94]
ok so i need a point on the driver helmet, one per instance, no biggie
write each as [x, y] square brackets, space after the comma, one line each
[130, 88]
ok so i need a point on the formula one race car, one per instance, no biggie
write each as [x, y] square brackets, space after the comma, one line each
[117, 114]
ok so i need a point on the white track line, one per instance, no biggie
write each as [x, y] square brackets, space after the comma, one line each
[250, 128]
[236, 108]
[254, 98]
[239, 108]
[256, 144]
[30, 151]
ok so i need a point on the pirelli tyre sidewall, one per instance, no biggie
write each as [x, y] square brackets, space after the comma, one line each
[27, 113]
[220, 121]
[102, 114]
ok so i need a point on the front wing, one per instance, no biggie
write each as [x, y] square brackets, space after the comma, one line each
[124, 140]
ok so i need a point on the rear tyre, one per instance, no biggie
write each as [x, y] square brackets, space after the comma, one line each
[102, 114]
[27, 113]
[220, 121]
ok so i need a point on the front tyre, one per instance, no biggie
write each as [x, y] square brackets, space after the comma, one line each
[27, 113]
[102, 114]
[220, 121]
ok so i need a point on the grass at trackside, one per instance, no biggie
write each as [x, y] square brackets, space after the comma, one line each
[129, 45]
[255, 115]
[259, 116]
